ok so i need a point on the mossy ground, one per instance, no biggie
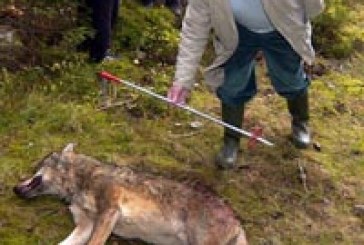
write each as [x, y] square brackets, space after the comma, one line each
[41, 113]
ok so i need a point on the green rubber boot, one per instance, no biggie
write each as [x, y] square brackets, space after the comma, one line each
[228, 154]
[298, 108]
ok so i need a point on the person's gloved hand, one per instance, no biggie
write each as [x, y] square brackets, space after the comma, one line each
[178, 94]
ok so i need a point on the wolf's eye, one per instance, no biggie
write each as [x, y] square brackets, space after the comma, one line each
[48, 159]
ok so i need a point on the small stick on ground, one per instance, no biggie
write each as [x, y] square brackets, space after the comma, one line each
[110, 106]
[303, 176]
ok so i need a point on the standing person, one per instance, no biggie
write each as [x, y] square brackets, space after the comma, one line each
[280, 29]
[148, 3]
[174, 5]
[103, 16]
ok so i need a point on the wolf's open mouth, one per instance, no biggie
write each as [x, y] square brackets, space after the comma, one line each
[36, 181]
[24, 190]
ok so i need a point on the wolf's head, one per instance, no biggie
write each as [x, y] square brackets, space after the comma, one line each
[49, 176]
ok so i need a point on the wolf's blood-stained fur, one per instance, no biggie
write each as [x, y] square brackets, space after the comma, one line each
[107, 199]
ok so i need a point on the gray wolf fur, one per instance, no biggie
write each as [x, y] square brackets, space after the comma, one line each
[107, 199]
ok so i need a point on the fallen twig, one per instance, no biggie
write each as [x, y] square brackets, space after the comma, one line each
[107, 106]
[303, 176]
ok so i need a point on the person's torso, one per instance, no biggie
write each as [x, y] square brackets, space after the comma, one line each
[251, 14]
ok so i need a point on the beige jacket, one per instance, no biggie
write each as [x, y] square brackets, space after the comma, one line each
[290, 18]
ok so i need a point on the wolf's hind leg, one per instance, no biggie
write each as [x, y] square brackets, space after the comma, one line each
[104, 225]
[84, 226]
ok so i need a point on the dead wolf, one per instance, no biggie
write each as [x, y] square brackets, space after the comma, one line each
[107, 199]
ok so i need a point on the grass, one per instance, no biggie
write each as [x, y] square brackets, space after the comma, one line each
[42, 113]
[267, 192]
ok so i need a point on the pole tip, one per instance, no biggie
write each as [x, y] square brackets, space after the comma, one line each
[108, 76]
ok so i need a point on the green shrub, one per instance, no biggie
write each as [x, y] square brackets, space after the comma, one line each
[150, 30]
[45, 32]
[335, 31]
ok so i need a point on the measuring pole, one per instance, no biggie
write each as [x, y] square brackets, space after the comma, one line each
[107, 76]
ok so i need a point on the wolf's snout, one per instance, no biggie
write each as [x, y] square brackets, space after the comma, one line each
[25, 190]
[20, 191]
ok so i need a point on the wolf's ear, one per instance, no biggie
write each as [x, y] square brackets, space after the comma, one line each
[69, 148]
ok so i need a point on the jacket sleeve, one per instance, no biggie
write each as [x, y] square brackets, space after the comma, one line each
[195, 32]
[313, 7]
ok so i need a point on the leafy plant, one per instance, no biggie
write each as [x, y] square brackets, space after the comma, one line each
[151, 31]
[333, 35]
[45, 32]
